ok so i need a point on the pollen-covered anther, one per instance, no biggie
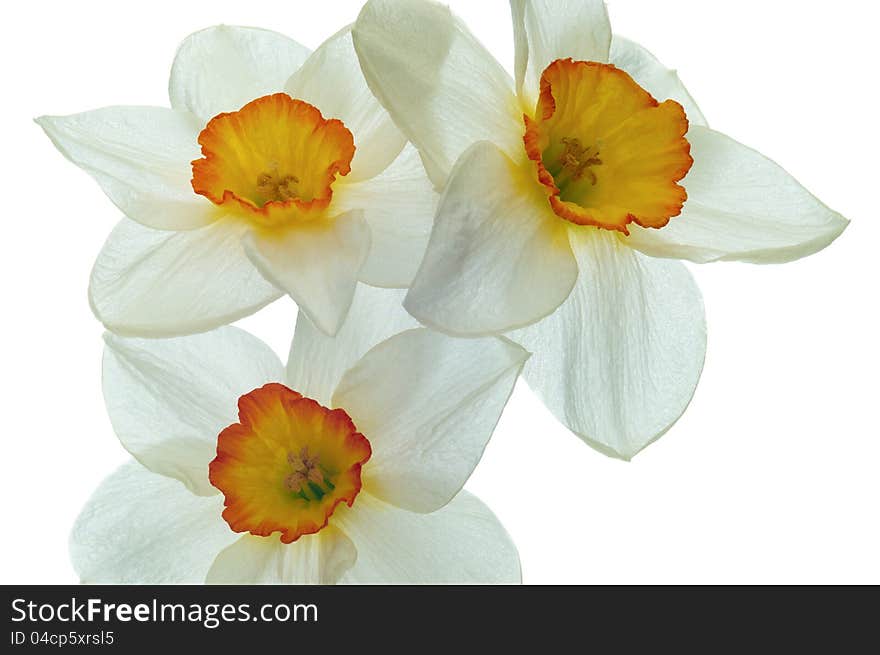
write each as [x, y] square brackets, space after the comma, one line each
[577, 160]
[305, 470]
[276, 187]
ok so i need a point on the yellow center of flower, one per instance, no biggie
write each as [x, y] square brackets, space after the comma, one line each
[273, 162]
[287, 464]
[607, 153]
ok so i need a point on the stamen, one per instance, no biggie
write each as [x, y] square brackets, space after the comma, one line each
[276, 187]
[576, 160]
[305, 470]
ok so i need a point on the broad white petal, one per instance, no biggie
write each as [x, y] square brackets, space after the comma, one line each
[317, 362]
[428, 403]
[619, 361]
[659, 81]
[741, 206]
[462, 543]
[143, 528]
[317, 263]
[438, 82]
[399, 206]
[320, 558]
[168, 399]
[546, 30]
[331, 80]
[157, 283]
[498, 257]
[223, 68]
[141, 157]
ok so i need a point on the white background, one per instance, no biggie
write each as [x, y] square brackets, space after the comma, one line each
[771, 475]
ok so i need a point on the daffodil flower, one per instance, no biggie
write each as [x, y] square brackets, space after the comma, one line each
[274, 171]
[568, 192]
[345, 467]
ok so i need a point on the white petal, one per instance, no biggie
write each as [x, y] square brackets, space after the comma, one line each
[320, 558]
[317, 362]
[498, 257]
[157, 283]
[317, 263]
[223, 68]
[168, 399]
[142, 528]
[659, 81]
[462, 543]
[332, 81]
[546, 30]
[428, 403]
[441, 86]
[399, 206]
[741, 206]
[141, 157]
[618, 362]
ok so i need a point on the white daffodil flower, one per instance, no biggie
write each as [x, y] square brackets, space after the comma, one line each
[240, 193]
[567, 194]
[292, 491]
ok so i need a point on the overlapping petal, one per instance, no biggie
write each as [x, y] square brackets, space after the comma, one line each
[619, 361]
[462, 543]
[438, 82]
[317, 262]
[331, 80]
[498, 257]
[143, 528]
[158, 283]
[741, 206]
[399, 206]
[320, 558]
[317, 362]
[546, 30]
[168, 399]
[428, 403]
[141, 158]
[222, 68]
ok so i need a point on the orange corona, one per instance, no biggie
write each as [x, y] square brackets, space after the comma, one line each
[287, 464]
[272, 162]
[607, 153]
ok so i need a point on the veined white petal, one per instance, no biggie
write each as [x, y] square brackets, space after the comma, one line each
[223, 68]
[168, 399]
[659, 81]
[141, 157]
[619, 361]
[546, 30]
[331, 80]
[399, 206]
[158, 283]
[317, 262]
[320, 558]
[428, 403]
[143, 528]
[317, 362]
[463, 543]
[741, 206]
[498, 257]
[438, 82]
